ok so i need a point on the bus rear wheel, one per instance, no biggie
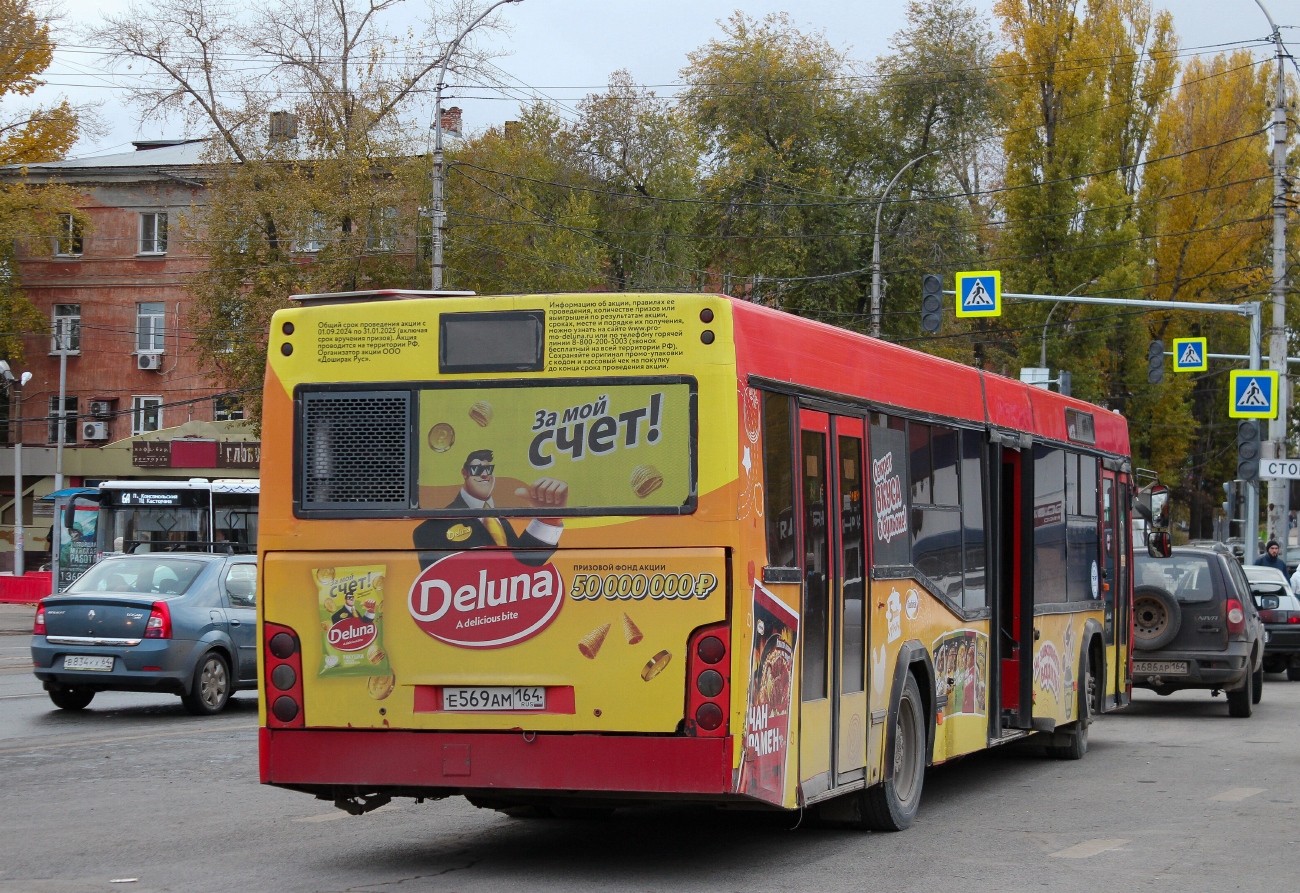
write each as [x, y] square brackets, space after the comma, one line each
[1073, 744]
[892, 805]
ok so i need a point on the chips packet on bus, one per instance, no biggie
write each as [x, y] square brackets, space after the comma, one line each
[351, 603]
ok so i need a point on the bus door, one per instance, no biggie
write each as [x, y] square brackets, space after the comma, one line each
[1014, 608]
[834, 716]
[1115, 590]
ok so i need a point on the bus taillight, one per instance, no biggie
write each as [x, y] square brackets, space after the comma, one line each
[283, 677]
[708, 677]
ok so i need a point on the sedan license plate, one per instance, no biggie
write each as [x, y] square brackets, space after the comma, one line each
[1164, 667]
[88, 662]
[493, 697]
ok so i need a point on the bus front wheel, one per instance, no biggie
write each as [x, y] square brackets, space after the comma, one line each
[892, 805]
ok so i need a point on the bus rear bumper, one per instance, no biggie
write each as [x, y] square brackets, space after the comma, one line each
[457, 762]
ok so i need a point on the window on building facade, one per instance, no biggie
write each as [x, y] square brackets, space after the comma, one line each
[315, 237]
[69, 420]
[68, 242]
[382, 235]
[227, 408]
[146, 414]
[150, 322]
[153, 232]
[66, 326]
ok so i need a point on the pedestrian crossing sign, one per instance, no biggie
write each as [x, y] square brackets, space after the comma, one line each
[1253, 394]
[979, 294]
[1190, 355]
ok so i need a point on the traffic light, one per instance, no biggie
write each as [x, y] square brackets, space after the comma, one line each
[1156, 362]
[1248, 450]
[931, 303]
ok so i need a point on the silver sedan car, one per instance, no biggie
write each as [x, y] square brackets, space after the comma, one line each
[181, 623]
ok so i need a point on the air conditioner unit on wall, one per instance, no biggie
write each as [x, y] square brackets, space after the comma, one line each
[101, 409]
[94, 431]
[149, 362]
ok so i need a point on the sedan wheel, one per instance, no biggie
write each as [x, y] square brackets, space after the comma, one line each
[210, 691]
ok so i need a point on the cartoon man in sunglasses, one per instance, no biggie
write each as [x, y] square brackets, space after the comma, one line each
[479, 474]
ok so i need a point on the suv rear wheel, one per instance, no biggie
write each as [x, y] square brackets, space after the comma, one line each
[1293, 674]
[1241, 703]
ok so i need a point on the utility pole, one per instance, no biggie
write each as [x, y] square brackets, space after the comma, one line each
[1279, 491]
[61, 333]
[439, 211]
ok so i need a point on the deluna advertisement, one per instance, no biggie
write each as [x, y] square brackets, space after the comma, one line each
[771, 681]
[566, 448]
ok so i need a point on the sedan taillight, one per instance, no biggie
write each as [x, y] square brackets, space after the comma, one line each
[159, 625]
[1236, 618]
[38, 628]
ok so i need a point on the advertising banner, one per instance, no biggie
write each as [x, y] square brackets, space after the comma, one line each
[565, 447]
[771, 681]
[75, 548]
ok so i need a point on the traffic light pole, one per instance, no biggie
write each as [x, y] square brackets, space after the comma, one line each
[1249, 309]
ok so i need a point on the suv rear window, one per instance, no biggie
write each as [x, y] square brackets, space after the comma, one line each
[1189, 578]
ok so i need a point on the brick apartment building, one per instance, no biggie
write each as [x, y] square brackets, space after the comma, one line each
[137, 403]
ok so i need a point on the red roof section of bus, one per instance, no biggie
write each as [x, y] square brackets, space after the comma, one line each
[778, 345]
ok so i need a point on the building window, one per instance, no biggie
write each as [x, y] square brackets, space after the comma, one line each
[146, 414]
[383, 230]
[69, 420]
[315, 237]
[153, 232]
[66, 326]
[68, 242]
[227, 408]
[150, 320]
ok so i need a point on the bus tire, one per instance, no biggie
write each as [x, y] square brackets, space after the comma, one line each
[892, 804]
[1072, 744]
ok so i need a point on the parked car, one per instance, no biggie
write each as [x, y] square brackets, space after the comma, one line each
[183, 623]
[1279, 608]
[1195, 625]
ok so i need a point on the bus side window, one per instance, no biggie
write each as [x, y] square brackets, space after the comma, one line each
[778, 479]
[972, 515]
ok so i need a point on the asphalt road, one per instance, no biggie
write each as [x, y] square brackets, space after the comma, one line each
[1173, 795]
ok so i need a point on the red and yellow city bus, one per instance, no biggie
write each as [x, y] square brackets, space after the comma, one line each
[578, 551]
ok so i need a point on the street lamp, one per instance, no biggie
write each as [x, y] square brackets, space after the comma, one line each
[17, 384]
[439, 214]
[875, 247]
[1042, 356]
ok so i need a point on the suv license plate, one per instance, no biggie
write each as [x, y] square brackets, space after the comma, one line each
[1165, 667]
[493, 697]
[88, 662]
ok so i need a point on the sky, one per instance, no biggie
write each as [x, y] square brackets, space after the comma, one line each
[567, 48]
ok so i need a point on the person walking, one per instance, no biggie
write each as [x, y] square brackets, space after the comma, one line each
[1271, 557]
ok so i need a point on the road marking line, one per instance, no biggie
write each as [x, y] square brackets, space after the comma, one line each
[1090, 848]
[327, 817]
[89, 742]
[16, 697]
[1236, 795]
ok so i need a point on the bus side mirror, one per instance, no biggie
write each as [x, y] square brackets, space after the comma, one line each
[1160, 544]
[1160, 506]
[70, 511]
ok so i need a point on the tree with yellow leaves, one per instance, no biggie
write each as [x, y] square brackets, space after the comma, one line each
[29, 212]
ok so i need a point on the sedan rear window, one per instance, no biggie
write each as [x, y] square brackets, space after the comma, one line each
[1188, 578]
[145, 576]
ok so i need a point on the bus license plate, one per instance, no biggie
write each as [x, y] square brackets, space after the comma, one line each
[88, 662]
[1164, 667]
[493, 697]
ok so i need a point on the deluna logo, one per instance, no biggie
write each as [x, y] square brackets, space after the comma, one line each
[485, 599]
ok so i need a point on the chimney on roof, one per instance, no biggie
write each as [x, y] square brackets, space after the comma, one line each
[283, 128]
[451, 121]
[512, 130]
